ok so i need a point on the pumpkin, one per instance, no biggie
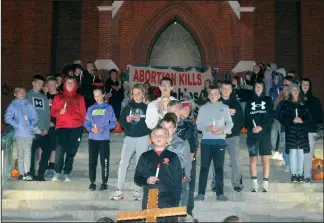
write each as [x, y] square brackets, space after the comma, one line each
[15, 173]
[118, 128]
[317, 164]
[243, 130]
[318, 176]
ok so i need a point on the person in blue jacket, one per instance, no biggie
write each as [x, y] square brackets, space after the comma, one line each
[100, 119]
[22, 116]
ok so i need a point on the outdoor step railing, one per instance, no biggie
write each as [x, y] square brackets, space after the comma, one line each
[7, 162]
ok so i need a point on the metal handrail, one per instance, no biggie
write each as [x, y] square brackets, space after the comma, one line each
[7, 162]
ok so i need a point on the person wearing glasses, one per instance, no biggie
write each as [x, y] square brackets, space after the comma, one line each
[158, 108]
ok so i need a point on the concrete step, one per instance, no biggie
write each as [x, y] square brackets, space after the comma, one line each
[128, 205]
[83, 184]
[106, 195]
[203, 216]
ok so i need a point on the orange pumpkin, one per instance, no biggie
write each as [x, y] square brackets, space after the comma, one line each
[318, 176]
[243, 130]
[15, 173]
[118, 128]
[317, 164]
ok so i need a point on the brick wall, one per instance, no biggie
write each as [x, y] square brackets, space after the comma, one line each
[313, 44]
[26, 43]
[287, 35]
[68, 33]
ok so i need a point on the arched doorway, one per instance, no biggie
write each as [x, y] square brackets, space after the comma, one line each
[175, 46]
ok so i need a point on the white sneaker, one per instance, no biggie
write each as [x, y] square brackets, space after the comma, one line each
[255, 185]
[117, 195]
[57, 177]
[67, 178]
[136, 196]
[265, 186]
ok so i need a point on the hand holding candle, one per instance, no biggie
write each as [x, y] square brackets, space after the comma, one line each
[26, 120]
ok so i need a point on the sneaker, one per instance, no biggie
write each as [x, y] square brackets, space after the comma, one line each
[238, 189]
[307, 180]
[92, 187]
[136, 196]
[50, 173]
[294, 178]
[200, 197]
[221, 198]
[255, 185]
[300, 179]
[57, 177]
[103, 187]
[118, 195]
[67, 178]
[20, 177]
[28, 177]
[265, 186]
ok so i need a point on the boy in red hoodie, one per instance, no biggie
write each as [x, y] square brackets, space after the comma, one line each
[69, 110]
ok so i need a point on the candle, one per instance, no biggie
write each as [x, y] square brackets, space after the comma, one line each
[94, 77]
[157, 170]
[296, 113]
[214, 122]
[26, 119]
[130, 112]
[64, 106]
[244, 82]
[278, 91]
[95, 125]
[241, 81]
[254, 123]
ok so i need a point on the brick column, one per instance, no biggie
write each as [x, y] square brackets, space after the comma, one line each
[247, 30]
[105, 32]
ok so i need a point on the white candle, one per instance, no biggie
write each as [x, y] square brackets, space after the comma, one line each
[254, 123]
[296, 113]
[95, 125]
[64, 106]
[26, 119]
[130, 112]
[94, 77]
[214, 122]
[244, 82]
[157, 170]
[278, 91]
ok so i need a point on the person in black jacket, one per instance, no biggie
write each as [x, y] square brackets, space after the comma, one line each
[314, 105]
[160, 168]
[258, 74]
[259, 115]
[187, 130]
[295, 116]
[233, 139]
[132, 119]
[115, 92]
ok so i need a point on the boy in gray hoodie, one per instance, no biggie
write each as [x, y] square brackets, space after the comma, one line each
[215, 121]
[41, 104]
[182, 149]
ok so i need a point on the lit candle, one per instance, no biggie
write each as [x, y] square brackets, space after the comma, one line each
[278, 91]
[26, 119]
[157, 170]
[64, 106]
[95, 125]
[254, 123]
[130, 112]
[296, 113]
[214, 122]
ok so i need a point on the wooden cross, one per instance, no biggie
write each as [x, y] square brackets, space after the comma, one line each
[152, 212]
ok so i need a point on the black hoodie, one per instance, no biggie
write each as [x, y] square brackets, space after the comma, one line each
[238, 117]
[313, 104]
[138, 129]
[259, 109]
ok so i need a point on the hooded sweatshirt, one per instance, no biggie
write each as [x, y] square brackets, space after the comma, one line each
[276, 88]
[75, 108]
[237, 118]
[152, 114]
[17, 113]
[135, 129]
[40, 103]
[259, 109]
[313, 104]
[221, 113]
[100, 116]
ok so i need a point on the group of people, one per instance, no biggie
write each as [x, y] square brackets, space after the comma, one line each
[51, 116]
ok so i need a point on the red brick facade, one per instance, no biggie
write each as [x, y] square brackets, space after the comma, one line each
[224, 39]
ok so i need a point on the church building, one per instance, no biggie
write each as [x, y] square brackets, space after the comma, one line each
[43, 36]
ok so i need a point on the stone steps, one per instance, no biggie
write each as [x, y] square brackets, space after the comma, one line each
[71, 201]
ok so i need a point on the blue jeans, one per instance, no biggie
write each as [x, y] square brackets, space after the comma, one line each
[283, 148]
[296, 158]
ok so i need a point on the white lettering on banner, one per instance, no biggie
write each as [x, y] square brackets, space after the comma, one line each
[192, 81]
